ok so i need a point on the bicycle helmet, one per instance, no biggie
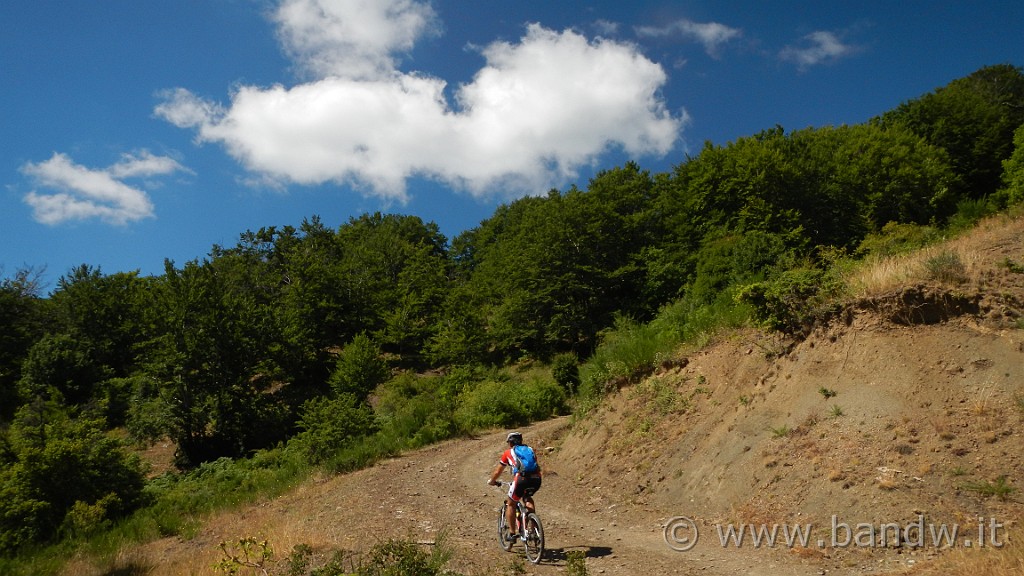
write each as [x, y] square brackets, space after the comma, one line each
[514, 438]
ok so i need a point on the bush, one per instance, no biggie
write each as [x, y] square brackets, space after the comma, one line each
[946, 267]
[503, 404]
[896, 238]
[566, 371]
[359, 369]
[792, 301]
[404, 558]
[330, 424]
[67, 474]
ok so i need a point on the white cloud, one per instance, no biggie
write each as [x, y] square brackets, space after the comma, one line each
[80, 193]
[538, 111]
[818, 47]
[351, 38]
[711, 35]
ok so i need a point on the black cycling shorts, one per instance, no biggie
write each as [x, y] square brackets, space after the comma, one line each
[524, 486]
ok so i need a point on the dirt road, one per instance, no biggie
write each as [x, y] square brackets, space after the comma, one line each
[441, 492]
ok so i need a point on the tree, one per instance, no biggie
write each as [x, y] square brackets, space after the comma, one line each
[104, 311]
[22, 316]
[396, 268]
[359, 369]
[1013, 171]
[63, 364]
[330, 424]
[862, 177]
[211, 355]
[973, 119]
[547, 274]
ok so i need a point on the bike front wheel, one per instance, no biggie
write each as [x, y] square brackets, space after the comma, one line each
[534, 543]
[503, 530]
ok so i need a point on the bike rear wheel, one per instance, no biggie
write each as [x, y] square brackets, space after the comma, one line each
[534, 543]
[503, 530]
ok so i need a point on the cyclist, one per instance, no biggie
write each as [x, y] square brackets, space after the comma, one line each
[524, 482]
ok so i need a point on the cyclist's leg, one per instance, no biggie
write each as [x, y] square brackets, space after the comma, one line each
[514, 492]
[510, 515]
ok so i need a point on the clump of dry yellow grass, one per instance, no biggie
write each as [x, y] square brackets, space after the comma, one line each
[1007, 560]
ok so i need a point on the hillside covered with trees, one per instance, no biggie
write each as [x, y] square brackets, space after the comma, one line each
[306, 345]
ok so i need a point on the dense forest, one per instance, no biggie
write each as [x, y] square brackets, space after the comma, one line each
[336, 346]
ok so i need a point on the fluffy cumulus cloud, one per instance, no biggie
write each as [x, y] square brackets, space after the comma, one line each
[71, 191]
[538, 110]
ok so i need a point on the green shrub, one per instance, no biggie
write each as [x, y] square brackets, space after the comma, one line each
[575, 563]
[404, 558]
[791, 301]
[359, 369]
[946, 267]
[501, 404]
[970, 211]
[66, 474]
[566, 371]
[632, 349]
[896, 238]
[328, 424]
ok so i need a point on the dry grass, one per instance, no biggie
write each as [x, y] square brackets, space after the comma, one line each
[989, 561]
[880, 276]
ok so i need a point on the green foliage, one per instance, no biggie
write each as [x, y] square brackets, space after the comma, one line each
[736, 260]
[970, 211]
[329, 424]
[245, 554]
[565, 370]
[792, 301]
[103, 314]
[635, 349]
[503, 404]
[360, 369]
[576, 563]
[395, 268]
[67, 477]
[213, 357]
[895, 238]
[660, 397]
[973, 119]
[827, 393]
[629, 349]
[1000, 488]
[1012, 191]
[547, 274]
[402, 557]
[63, 364]
[22, 317]
[392, 557]
[149, 416]
[178, 500]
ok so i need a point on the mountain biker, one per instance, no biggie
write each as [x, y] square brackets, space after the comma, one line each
[524, 483]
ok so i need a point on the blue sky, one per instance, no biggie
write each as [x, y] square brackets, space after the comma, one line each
[135, 131]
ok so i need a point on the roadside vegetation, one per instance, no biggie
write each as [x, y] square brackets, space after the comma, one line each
[311, 349]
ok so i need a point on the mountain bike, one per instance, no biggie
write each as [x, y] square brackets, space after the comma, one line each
[530, 531]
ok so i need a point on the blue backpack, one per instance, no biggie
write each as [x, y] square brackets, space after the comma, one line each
[525, 459]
